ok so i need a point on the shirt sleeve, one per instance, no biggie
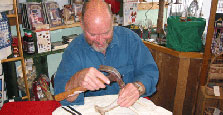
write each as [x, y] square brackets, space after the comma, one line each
[64, 72]
[145, 68]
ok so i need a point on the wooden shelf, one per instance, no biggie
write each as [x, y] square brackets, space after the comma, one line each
[11, 59]
[163, 49]
[208, 96]
[25, 97]
[149, 5]
[12, 19]
[11, 15]
[27, 56]
[65, 26]
[205, 101]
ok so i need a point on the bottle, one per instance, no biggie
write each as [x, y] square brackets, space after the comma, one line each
[25, 38]
[30, 43]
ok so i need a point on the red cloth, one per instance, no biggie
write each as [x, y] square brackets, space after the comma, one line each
[29, 108]
[147, 98]
[115, 5]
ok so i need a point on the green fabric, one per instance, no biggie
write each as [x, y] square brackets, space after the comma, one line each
[185, 36]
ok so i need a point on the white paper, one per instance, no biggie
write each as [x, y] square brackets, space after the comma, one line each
[216, 91]
[216, 111]
[11, 100]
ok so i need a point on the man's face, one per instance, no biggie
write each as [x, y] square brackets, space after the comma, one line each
[99, 38]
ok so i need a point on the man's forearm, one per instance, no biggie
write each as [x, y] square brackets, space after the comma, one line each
[72, 83]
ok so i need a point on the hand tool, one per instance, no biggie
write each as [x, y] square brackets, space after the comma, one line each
[113, 76]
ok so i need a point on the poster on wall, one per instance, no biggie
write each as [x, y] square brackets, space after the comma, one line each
[129, 13]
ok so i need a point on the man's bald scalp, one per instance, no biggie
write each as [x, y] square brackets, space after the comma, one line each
[95, 7]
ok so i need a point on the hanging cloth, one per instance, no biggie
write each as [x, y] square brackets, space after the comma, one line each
[5, 36]
[115, 5]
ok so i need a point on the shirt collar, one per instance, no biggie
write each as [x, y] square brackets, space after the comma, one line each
[115, 40]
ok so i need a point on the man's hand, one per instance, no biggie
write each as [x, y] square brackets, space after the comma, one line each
[91, 79]
[128, 95]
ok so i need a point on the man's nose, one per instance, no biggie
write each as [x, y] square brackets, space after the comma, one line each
[99, 38]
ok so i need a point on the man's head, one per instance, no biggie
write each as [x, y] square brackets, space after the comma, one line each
[97, 23]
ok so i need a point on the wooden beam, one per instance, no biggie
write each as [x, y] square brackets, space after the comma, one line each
[197, 55]
[159, 29]
[184, 65]
[207, 53]
[11, 59]
[149, 5]
[12, 19]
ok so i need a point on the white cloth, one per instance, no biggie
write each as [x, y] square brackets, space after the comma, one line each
[141, 107]
[6, 5]
[5, 52]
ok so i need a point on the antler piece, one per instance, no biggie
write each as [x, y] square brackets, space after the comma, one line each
[103, 110]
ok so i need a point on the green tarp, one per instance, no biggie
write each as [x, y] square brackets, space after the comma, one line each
[185, 36]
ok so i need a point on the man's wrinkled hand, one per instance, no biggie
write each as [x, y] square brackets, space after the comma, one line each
[128, 95]
[92, 79]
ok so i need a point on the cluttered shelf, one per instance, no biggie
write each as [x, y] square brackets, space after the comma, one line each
[173, 52]
[203, 91]
[26, 56]
[76, 24]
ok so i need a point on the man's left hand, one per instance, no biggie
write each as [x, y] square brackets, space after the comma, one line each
[128, 95]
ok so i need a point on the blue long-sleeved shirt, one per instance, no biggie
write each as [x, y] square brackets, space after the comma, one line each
[127, 53]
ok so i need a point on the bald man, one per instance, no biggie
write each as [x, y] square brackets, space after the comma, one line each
[103, 44]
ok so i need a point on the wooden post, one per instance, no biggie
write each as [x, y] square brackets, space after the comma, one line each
[160, 17]
[20, 49]
[207, 53]
[184, 65]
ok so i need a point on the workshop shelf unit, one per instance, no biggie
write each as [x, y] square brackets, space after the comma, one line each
[20, 57]
[14, 20]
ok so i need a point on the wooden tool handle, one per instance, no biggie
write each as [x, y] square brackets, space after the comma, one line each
[64, 95]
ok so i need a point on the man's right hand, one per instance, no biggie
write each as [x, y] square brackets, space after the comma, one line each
[91, 79]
